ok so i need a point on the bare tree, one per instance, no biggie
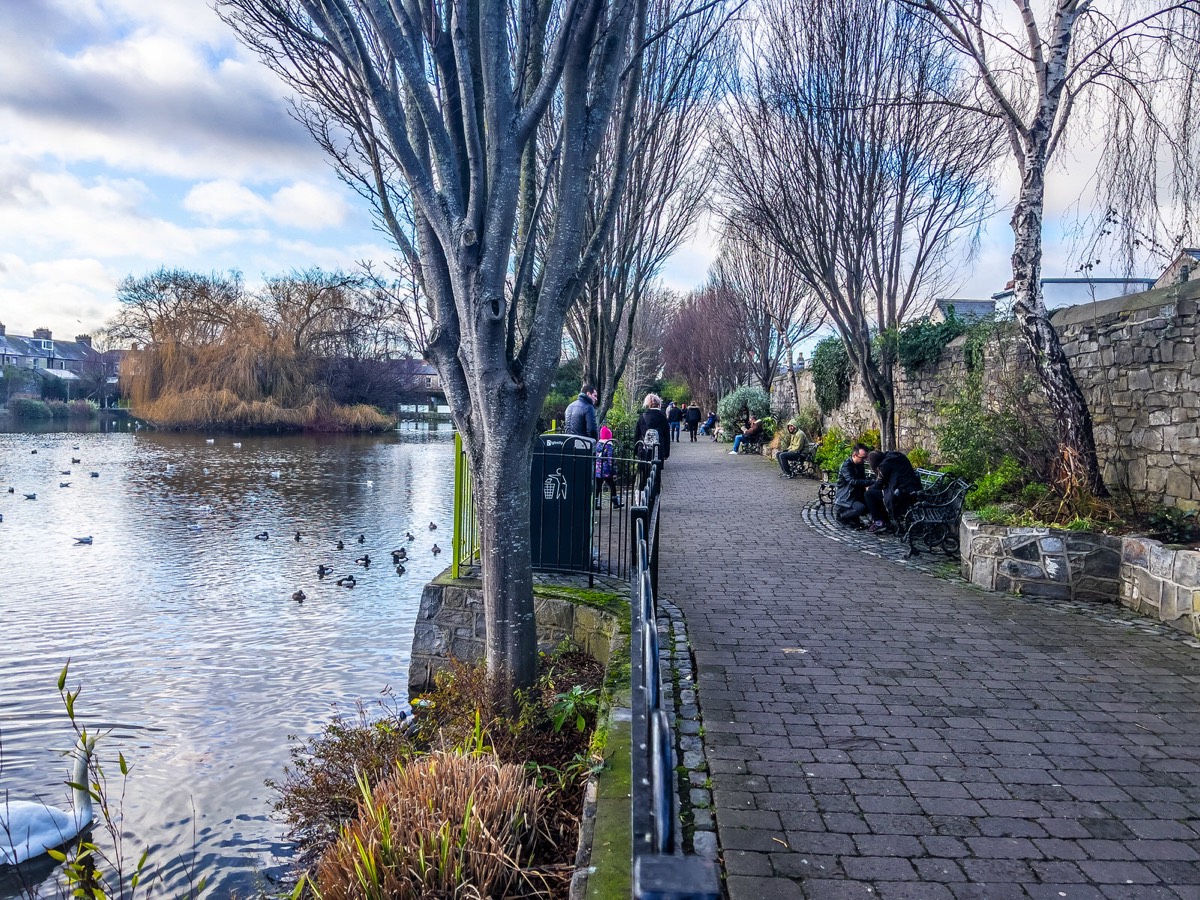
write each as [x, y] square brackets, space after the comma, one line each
[1038, 65]
[772, 309]
[433, 111]
[172, 306]
[700, 346]
[832, 153]
[683, 75]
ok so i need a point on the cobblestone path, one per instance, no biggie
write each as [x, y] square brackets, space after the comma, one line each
[876, 732]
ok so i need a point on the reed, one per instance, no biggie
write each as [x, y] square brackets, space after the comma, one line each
[246, 376]
[447, 824]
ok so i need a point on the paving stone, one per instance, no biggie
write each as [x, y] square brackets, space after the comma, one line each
[910, 735]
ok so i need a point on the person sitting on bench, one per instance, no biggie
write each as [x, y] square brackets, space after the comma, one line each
[752, 433]
[793, 446]
[849, 503]
[895, 489]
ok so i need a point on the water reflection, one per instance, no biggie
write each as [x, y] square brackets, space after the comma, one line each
[180, 625]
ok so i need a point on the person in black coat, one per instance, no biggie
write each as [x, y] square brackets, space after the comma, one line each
[895, 489]
[653, 418]
[581, 414]
[849, 503]
[691, 419]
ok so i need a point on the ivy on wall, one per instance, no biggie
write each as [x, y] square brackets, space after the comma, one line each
[830, 366]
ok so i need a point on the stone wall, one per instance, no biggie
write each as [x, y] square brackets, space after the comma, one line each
[450, 624]
[1135, 359]
[1137, 572]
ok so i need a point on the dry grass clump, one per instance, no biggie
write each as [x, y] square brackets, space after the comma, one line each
[352, 814]
[449, 824]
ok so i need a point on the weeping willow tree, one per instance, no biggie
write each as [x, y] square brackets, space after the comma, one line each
[208, 354]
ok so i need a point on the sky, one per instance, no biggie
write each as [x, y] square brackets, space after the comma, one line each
[138, 135]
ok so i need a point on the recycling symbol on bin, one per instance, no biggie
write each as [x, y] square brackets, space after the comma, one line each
[555, 486]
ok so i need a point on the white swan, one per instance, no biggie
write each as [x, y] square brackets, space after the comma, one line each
[29, 829]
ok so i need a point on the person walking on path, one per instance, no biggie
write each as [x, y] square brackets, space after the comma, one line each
[691, 418]
[581, 414]
[674, 418]
[871, 731]
[652, 419]
[605, 468]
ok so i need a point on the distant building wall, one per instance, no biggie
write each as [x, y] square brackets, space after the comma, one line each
[1135, 359]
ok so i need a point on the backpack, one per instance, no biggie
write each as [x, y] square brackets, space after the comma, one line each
[650, 444]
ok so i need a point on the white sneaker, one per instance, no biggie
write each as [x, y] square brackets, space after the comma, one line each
[733, 453]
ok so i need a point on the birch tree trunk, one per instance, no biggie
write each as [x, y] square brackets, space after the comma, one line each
[1037, 64]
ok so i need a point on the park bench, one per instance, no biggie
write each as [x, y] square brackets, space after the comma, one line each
[806, 465]
[933, 520]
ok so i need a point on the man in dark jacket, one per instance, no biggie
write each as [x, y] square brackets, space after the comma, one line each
[849, 503]
[581, 414]
[691, 419]
[674, 419]
[895, 489]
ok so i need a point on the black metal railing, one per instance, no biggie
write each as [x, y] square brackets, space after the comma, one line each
[661, 871]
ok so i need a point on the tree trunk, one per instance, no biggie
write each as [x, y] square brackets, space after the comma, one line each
[501, 494]
[1072, 416]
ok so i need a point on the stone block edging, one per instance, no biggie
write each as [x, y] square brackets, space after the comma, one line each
[450, 625]
[1140, 573]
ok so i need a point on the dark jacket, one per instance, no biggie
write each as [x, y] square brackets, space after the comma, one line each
[852, 483]
[897, 476]
[581, 418]
[675, 414]
[692, 416]
[654, 418]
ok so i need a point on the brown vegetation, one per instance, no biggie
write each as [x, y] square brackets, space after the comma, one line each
[258, 366]
[384, 797]
[449, 824]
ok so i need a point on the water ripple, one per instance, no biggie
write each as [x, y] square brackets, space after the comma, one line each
[194, 661]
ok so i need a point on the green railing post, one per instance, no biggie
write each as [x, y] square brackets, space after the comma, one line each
[456, 556]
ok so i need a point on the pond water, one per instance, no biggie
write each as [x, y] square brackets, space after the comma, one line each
[195, 662]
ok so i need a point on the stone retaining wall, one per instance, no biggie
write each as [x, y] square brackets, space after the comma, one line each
[1137, 572]
[450, 624]
[1136, 361]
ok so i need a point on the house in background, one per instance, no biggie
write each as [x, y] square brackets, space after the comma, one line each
[66, 362]
[965, 310]
[43, 352]
[1181, 269]
[1058, 293]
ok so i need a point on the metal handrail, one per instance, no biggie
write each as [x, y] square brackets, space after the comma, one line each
[610, 535]
[660, 870]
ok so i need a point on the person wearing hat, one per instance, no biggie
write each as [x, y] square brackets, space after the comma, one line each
[793, 445]
[606, 468]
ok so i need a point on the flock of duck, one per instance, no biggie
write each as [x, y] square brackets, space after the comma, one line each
[399, 558]
[62, 484]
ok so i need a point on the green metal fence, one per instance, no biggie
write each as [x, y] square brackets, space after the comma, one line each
[466, 526]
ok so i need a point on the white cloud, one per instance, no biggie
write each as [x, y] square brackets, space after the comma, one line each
[304, 206]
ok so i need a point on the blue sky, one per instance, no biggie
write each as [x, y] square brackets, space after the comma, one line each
[135, 135]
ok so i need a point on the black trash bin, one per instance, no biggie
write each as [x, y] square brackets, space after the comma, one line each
[560, 515]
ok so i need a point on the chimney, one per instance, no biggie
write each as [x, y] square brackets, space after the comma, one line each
[85, 339]
[1, 329]
[41, 334]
